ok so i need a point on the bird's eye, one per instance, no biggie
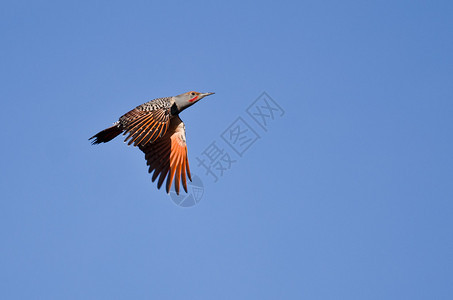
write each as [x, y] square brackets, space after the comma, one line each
[193, 94]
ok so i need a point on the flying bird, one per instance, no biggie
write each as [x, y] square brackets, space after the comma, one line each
[157, 130]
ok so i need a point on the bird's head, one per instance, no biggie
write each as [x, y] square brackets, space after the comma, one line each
[185, 100]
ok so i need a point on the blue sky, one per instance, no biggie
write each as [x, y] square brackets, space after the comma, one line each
[348, 195]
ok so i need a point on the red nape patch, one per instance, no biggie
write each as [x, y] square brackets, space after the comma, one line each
[193, 99]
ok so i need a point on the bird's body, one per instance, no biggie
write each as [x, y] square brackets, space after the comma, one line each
[155, 127]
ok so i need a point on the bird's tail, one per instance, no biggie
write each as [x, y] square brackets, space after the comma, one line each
[106, 135]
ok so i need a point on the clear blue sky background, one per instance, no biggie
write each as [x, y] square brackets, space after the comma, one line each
[347, 196]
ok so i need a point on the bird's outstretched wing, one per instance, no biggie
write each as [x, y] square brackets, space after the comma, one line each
[167, 156]
[145, 126]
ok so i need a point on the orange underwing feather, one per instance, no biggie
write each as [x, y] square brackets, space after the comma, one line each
[178, 174]
[171, 174]
[187, 167]
[166, 156]
[183, 174]
[178, 171]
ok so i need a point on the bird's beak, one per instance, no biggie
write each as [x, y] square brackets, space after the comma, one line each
[205, 94]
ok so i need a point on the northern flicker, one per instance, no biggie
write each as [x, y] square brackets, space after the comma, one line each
[157, 130]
